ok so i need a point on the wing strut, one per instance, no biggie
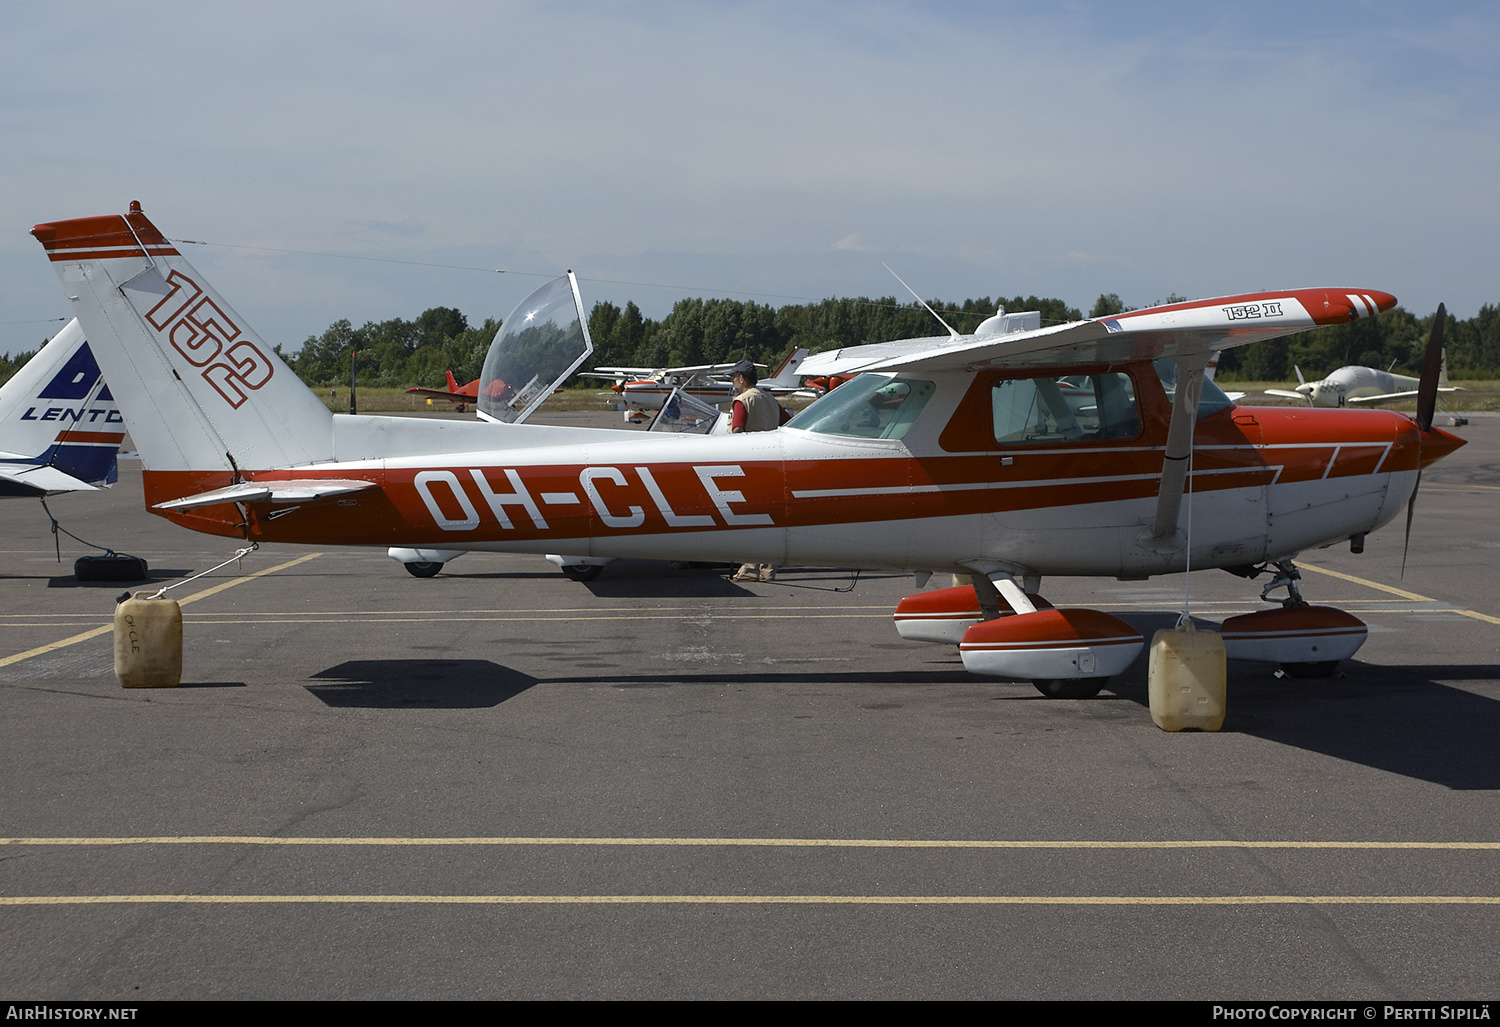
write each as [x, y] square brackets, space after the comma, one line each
[1179, 447]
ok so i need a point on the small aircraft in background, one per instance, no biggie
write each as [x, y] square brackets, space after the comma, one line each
[60, 429]
[1007, 455]
[1213, 369]
[642, 389]
[1356, 385]
[461, 395]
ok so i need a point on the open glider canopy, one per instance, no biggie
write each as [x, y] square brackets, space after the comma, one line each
[542, 341]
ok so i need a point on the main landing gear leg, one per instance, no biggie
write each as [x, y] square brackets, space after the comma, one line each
[1288, 577]
[988, 596]
[1353, 632]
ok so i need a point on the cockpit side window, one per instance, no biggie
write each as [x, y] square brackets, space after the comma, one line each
[1073, 408]
[872, 406]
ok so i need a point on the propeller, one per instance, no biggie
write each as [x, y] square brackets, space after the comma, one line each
[1303, 387]
[1432, 365]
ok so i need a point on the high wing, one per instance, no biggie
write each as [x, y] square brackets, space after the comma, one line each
[1186, 332]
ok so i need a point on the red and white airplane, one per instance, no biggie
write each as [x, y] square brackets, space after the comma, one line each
[647, 388]
[462, 395]
[1009, 456]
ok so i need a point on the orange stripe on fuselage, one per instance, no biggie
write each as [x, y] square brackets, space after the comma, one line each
[579, 501]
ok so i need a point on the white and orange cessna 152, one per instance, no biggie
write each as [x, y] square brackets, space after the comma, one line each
[1012, 454]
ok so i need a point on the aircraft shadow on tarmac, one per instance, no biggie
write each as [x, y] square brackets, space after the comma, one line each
[775, 677]
[423, 684]
[1402, 720]
[1399, 719]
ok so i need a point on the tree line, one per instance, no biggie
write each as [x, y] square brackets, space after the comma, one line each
[399, 353]
[697, 331]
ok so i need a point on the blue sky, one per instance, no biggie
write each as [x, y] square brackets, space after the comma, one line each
[767, 151]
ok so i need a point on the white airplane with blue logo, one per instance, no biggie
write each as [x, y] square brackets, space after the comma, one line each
[60, 430]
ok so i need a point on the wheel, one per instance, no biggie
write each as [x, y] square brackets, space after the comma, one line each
[423, 568]
[1322, 669]
[582, 571]
[1070, 688]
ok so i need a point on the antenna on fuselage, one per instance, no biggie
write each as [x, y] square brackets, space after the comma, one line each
[924, 303]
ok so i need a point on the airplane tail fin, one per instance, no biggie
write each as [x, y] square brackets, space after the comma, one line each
[59, 421]
[452, 381]
[1443, 371]
[198, 388]
[785, 376]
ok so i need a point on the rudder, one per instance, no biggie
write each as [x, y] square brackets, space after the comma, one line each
[198, 388]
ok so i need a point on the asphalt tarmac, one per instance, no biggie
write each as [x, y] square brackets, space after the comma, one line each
[500, 783]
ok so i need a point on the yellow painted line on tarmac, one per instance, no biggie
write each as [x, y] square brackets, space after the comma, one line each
[249, 577]
[1366, 582]
[587, 611]
[1476, 615]
[603, 617]
[96, 632]
[762, 900]
[866, 843]
[61, 644]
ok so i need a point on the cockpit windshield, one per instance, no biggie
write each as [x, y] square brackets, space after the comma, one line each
[872, 406]
[542, 341]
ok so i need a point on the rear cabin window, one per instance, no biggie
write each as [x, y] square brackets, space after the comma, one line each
[1072, 408]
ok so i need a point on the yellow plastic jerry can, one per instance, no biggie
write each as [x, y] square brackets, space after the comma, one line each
[148, 642]
[1186, 679]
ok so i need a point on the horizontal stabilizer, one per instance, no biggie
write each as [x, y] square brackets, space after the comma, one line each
[288, 491]
[39, 480]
